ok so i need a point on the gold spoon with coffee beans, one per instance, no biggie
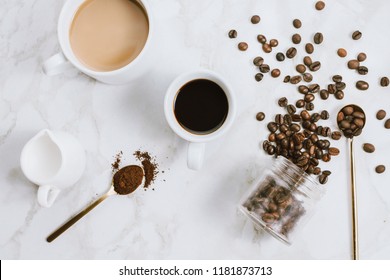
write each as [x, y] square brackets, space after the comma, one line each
[125, 181]
[351, 120]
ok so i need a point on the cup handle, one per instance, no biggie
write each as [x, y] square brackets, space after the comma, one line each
[195, 155]
[56, 64]
[46, 195]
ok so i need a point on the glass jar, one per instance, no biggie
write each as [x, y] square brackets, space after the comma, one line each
[282, 200]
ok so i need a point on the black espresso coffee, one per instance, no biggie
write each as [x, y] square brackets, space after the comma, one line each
[201, 106]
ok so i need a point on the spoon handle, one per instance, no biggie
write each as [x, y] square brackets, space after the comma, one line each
[354, 204]
[73, 220]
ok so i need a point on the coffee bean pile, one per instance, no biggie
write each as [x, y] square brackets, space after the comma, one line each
[297, 138]
[276, 206]
[351, 121]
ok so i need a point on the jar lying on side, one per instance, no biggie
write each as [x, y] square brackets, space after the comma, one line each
[283, 199]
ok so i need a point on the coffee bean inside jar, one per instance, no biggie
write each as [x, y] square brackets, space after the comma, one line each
[282, 200]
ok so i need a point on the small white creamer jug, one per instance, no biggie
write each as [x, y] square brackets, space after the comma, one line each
[54, 160]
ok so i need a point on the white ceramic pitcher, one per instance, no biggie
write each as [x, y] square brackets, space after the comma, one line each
[54, 160]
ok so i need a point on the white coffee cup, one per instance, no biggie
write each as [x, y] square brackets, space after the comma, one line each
[54, 160]
[67, 59]
[197, 142]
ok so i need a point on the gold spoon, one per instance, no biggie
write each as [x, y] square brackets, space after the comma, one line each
[346, 115]
[118, 187]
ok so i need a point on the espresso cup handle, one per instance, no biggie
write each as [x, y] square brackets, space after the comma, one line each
[46, 195]
[195, 155]
[56, 64]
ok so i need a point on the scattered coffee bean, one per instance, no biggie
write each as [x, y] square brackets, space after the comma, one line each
[324, 94]
[275, 73]
[291, 109]
[342, 52]
[340, 85]
[291, 52]
[314, 88]
[332, 88]
[353, 64]
[380, 169]
[296, 39]
[232, 34]
[318, 38]
[362, 85]
[315, 66]
[361, 57]
[267, 48]
[362, 70]
[295, 80]
[280, 56]
[301, 68]
[326, 157]
[255, 19]
[309, 98]
[324, 115]
[242, 46]
[356, 35]
[260, 116]
[385, 82]
[333, 151]
[300, 103]
[309, 48]
[368, 148]
[336, 135]
[264, 68]
[307, 61]
[297, 23]
[381, 114]
[337, 78]
[305, 115]
[303, 89]
[272, 127]
[279, 119]
[283, 102]
[387, 124]
[339, 94]
[307, 77]
[259, 77]
[273, 43]
[309, 106]
[320, 5]
[257, 61]
[315, 117]
[323, 179]
[286, 79]
[262, 39]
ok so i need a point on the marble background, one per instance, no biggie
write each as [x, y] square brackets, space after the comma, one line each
[189, 215]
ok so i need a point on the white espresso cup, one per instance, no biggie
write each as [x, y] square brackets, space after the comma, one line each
[66, 59]
[197, 141]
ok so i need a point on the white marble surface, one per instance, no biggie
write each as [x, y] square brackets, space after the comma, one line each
[190, 215]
